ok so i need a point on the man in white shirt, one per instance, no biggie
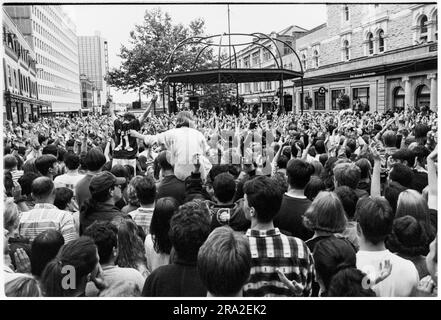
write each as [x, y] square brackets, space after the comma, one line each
[375, 219]
[184, 143]
[72, 176]
[45, 215]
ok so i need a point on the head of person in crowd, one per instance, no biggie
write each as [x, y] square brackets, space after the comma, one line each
[43, 190]
[81, 257]
[72, 161]
[11, 217]
[106, 187]
[70, 144]
[392, 191]
[42, 140]
[420, 133]
[421, 153]
[94, 160]
[262, 200]
[323, 158]
[47, 165]
[184, 119]
[164, 162]
[23, 286]
[160, 224]
[348, 282]
[224, 262]
[347, 174]
[105, 236]
[64, 199]
[326, 214]
[412, 203]
[348, 199]
[121, 172]
[131, 192]
[131, 250]
[299, 173]
[390, 139]
[332, 255]
[408, 237]
[44, 248]
[29, 166]
[328, 174]
[404, 156]
[313, 187]
[318, 168]
[282, 162]
[25, 182]
[9, 163]
[375, 219]
[365, 169]
[402, 174]
[146, 191]
[189, 228]
[224, 187]
[51, 149]
[320, 147]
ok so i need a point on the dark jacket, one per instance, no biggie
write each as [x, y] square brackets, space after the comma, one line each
[194, 188]
[179, 279]
[232, 215]
[101, 211]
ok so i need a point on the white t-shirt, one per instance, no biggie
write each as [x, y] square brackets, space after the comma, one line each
[68, 180]
[183, 143]
[154, 259]
[402, 280]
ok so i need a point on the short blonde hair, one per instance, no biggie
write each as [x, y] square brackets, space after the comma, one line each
[326, 213]
[10, 215]
[412, 203]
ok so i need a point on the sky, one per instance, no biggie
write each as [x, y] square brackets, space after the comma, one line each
[114, 22]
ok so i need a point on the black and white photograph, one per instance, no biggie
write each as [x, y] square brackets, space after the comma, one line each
[229, 152]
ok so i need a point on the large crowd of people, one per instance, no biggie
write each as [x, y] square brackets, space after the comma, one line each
[195, 204]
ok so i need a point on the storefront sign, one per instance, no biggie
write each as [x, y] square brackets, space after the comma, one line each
[433, 47]
[359, 75]
[322, 91]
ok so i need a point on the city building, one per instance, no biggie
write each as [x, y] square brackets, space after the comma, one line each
[20, 96]
[266, 55]
[52, 35]
[87, 88]
[92, 53]
[381, 56]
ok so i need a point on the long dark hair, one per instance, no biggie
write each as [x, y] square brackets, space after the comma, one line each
[130, 246]
[80, 254]
[160, 224]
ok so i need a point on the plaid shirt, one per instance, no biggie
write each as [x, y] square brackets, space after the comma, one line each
[142, 217]
[271, 250]
[46, 216]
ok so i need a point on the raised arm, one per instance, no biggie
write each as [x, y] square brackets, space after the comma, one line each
[142, 117]
[433, 179]
[376, 179]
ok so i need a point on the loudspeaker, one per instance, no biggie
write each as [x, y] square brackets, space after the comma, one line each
[194, 103]
[287, 102]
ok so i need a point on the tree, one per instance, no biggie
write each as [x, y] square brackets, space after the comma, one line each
[144, 61]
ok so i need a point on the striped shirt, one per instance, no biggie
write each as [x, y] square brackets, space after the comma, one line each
[271, 250]
[142, 217]
[46, 216]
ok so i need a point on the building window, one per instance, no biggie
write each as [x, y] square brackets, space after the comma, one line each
[304, 61]
[335, 94]
[360, 99]
[9, 76]
[316, 59]
[346, 12]
[268, 85]
[256, 87]
[286, 48]
[381, 41]
[422, 96]
[246, 63]
[398, 98]
[423, 28]
[370, 43]
[346, 50]
[319, 101]
[267, 53]
[256, 58]
[247, 88]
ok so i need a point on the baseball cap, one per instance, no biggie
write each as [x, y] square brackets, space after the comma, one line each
[103, 181]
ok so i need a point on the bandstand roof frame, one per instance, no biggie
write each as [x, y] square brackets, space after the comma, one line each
[229, 74]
